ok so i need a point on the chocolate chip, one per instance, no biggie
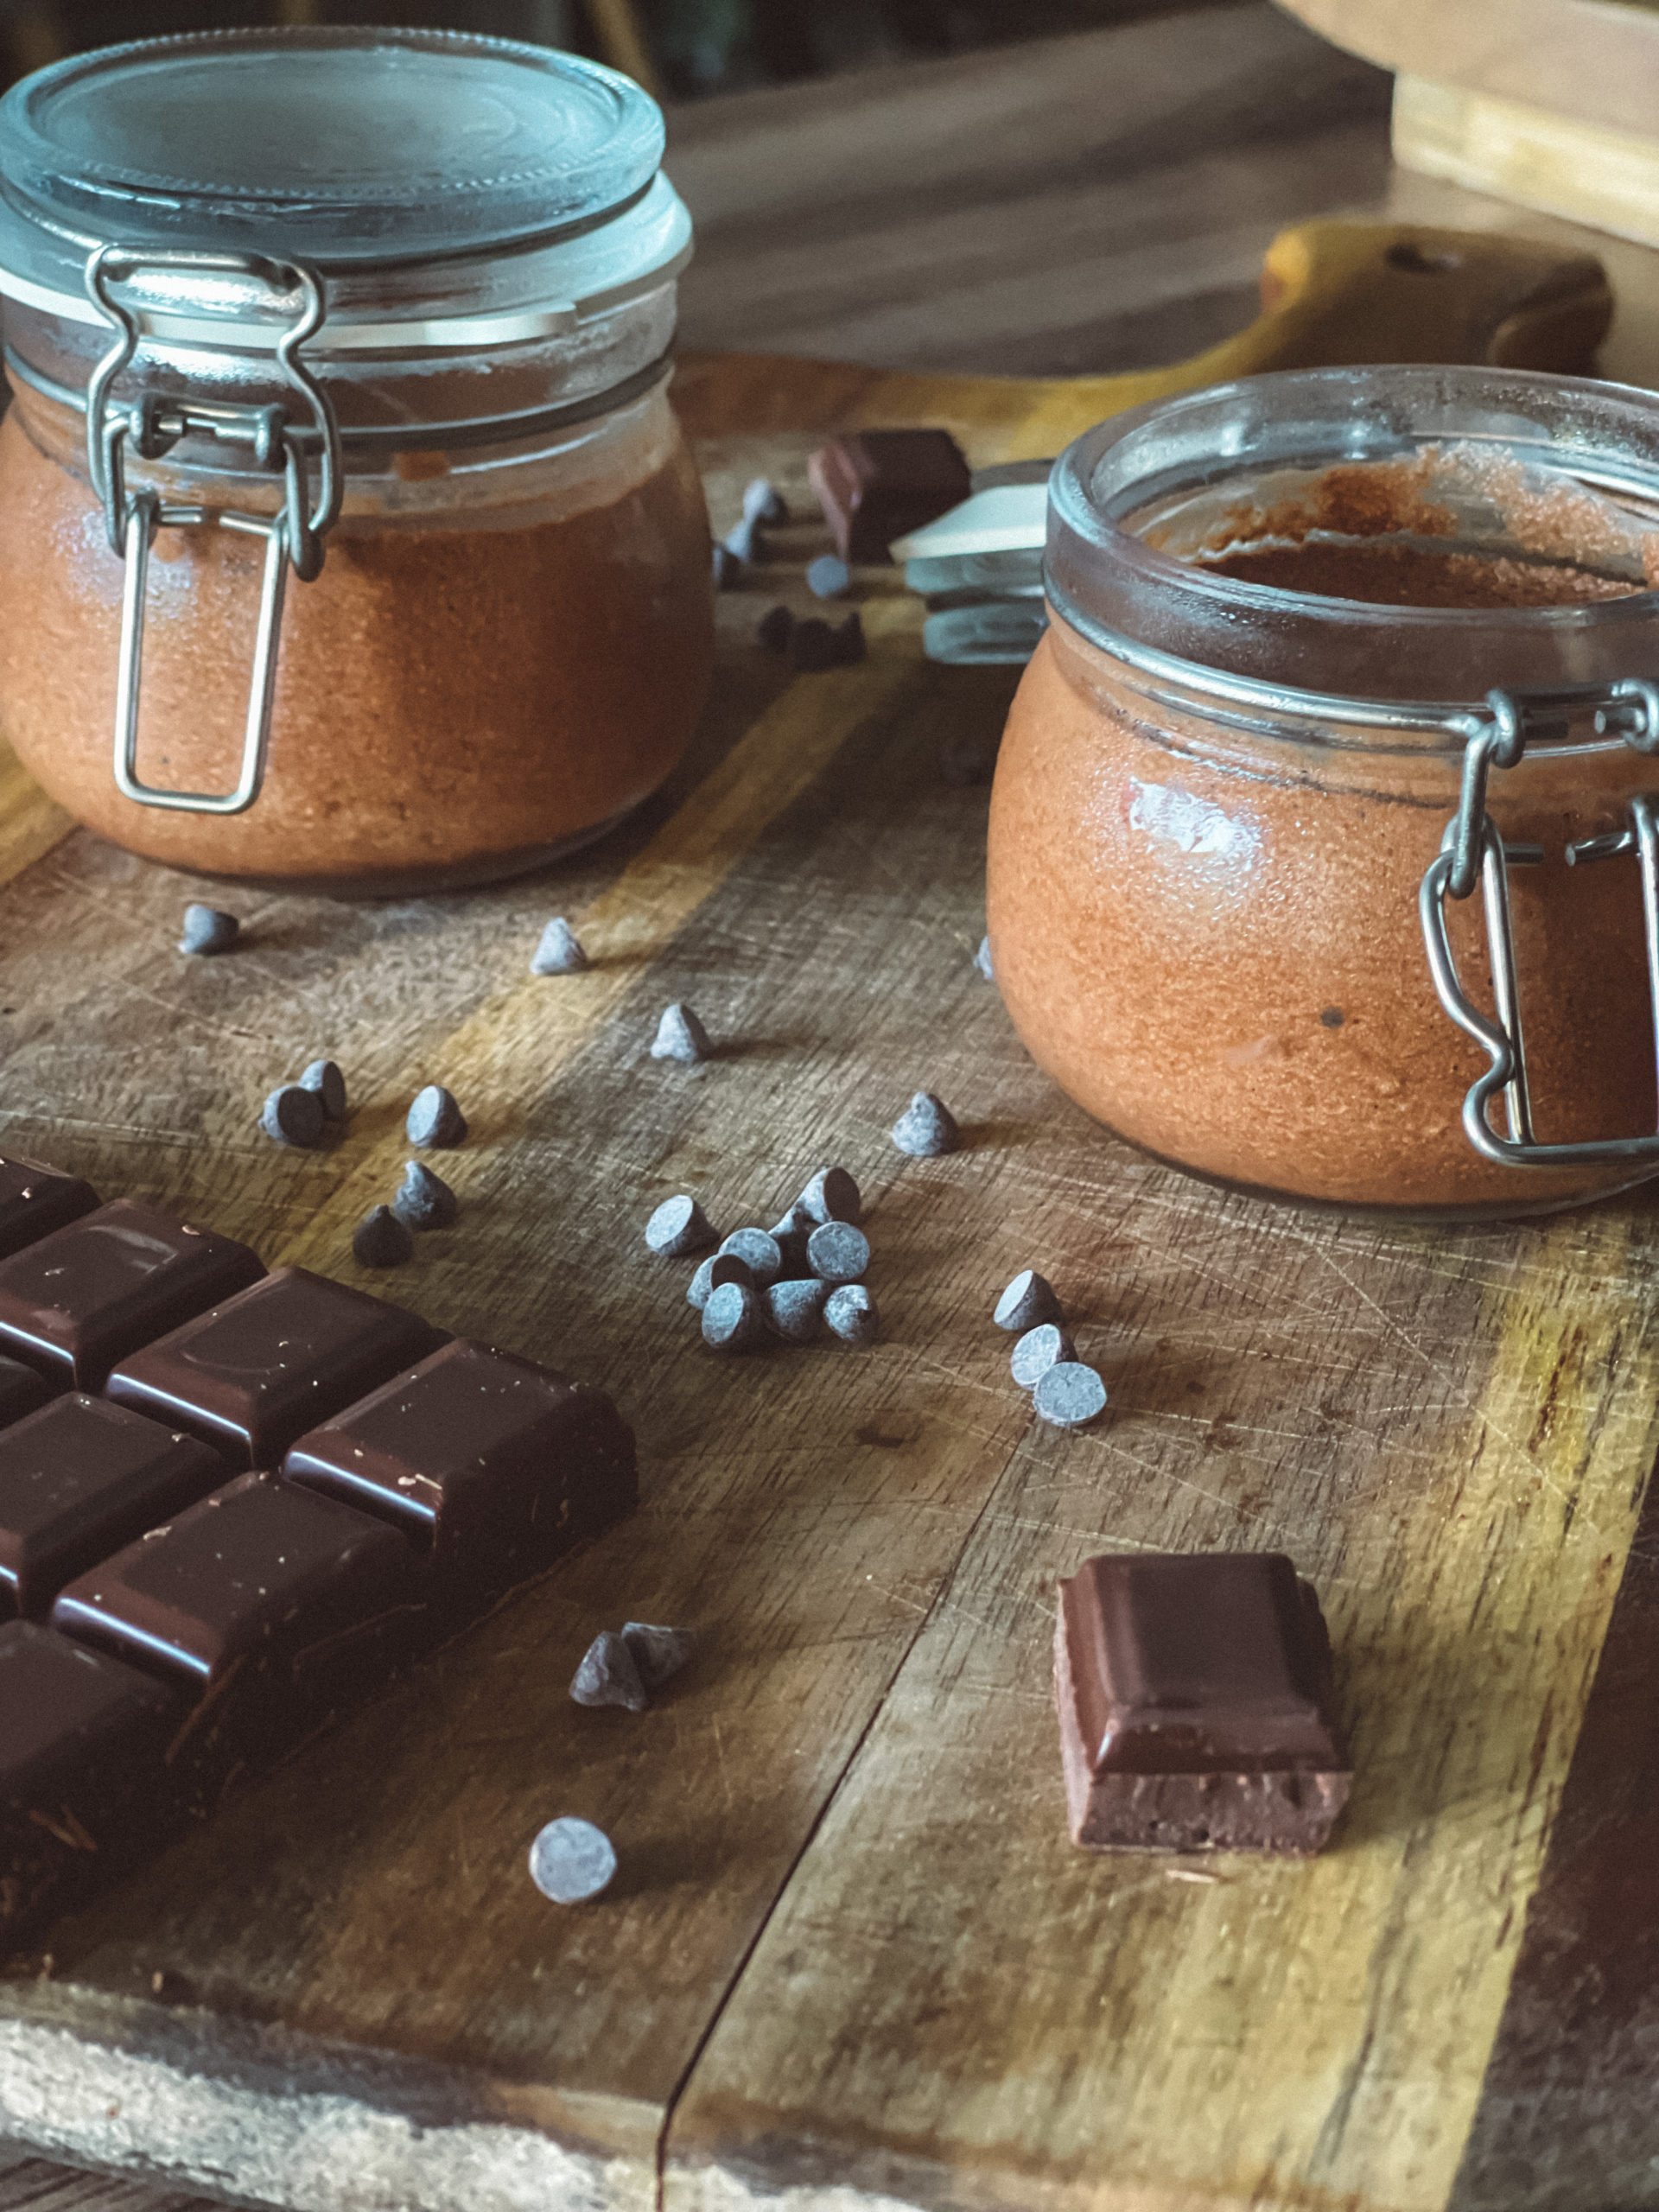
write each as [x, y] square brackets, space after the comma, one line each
[609, 1675]
[381, 1240]
[731, 1319]
[292, 1115]
[571, 1860]
[744, 542]
[812, 647]
[789, 1236]
[775, 630]
[763, 502]
[757, 1249]
[1069, 1394]
[849, 642]
[793, 1308]
[1038, 1350]
[926, 1128]
[560, 951]
[982, 960]
[424, 1200]
[851, 1313]
[658, 1653]
[679, 1228]
[680, 1036]
[838, 1253]
[831, 1195]
[1027, 1302]
[325, 1079]
[727, 567]
[434, 1119]
[719, 1267]
[208, 930]
[967, 759]
[829, 576]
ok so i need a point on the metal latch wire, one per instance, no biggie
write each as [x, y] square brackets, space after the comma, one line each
[153, 425]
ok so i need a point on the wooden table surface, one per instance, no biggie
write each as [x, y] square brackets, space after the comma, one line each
[851, 1958]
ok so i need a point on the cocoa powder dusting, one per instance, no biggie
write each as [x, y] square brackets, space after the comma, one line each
[1407, 575]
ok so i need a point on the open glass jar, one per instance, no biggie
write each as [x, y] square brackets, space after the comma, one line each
[1275, 875]
[349, 538]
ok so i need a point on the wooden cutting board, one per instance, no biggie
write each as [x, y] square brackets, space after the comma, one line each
[850, 1959]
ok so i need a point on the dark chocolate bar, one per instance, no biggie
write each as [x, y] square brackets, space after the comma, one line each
[78, 1480]
[251, 1375]
[21, 1389]
[1196, 1705]
[497, 1465]
[875, 485]
[77, 1301]
[34, 1200]
[82, 1768]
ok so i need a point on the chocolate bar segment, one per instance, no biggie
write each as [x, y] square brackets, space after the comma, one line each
[78, 1480]
[20, 1390]
[497, 1465]
[75, 1302]
[1196, 1705]
[875, 485]
[35, 1200]
[251, 1375]
[83, 1785]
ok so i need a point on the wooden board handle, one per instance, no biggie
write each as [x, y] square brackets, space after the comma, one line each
[1333, 294]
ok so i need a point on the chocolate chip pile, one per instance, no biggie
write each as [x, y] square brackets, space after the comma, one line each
[804, 1272]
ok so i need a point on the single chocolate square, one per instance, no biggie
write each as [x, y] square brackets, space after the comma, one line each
[83, 1785]
[1196, 1705]
[20, 1390]
[78, 1480]
[875, 485]
[258, 1578]
[251, 1375]
[497, 1463]
[78, 1300]
[35, 1200]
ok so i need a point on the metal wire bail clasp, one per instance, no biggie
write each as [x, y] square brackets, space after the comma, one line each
[151, 427]
[1472, 852]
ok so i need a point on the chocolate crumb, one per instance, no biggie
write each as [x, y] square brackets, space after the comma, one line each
[982, 960]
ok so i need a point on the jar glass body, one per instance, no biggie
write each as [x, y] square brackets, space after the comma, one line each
[1204, 916]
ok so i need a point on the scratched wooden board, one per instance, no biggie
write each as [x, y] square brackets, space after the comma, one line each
[850, 1955]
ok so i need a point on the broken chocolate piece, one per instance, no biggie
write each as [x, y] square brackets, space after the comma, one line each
[497, 1465]
[1196, 1705]
[80, 1479]
[35, 1200]
[81, 1299]
[875, 485]
[251, 1375]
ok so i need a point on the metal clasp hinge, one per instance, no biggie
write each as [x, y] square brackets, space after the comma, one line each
[151, 427]
[1473, 852]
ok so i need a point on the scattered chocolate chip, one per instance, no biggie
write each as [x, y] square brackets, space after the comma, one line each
[831, 1195]
[849, 642]
[829, 576]
[982, 960]
[382, 1240]
[775, 630]
[658, 1653]
[744, 544]
[763, 502]
[731, 1318]
[609, 1675]
[424, 1200]
[1038, 1350]
[850, 1311]
[206, 930]
[757, 1249]
[727, 567]
[571, 1860]
[325, 1079]
[793, 1308]
[1069, 1394]
[812, 647]
[719, 1267]
[926, 1128]
[838, 1253]
[1027, 1302]
[292, 1115]
[966, 759]
[434, 1119]
[680, 1036]
[560, 951]
[679, 1228]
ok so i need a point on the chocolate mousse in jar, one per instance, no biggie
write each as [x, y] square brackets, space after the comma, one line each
[349, 538]
[1322, 856]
